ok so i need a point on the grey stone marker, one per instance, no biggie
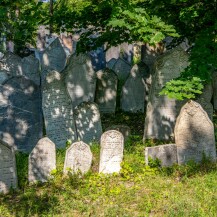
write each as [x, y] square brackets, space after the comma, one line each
[20, 113]
[88, 122]
[125, 130]
[8, 173]
[106, 91]
[57, 109]
[111, 63]
[167, 154]
[42, 160]
[122, 69]
[80, 79]
[78, 158]
[194, 134]
[54, 57]
[30, 68]
[133, 92]
[111, 151]
[161, 112]
[3, 76]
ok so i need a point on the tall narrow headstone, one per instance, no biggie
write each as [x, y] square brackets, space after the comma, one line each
[42, 160]
[80, 79]
[88, 122]
[194, 134]
[54, 57]
[106, 91]
[57, 109]
[133, 92]
[111, 151]
[8, 172]
[78, 158]
[161, 112]
[20, 113]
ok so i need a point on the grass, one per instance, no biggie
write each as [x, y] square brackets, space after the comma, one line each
[138, 190]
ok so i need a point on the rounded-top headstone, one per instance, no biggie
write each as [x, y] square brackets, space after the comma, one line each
[194, 134]
[111, 151]
[42, 160]
[78, 158]
[8, 173]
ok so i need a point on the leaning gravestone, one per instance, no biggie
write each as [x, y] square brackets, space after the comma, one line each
[78, 158]
[106, 91]
[111, 151]
[133, 92]
[194, 134]
[122, 69]
[88, 122]
[54, 57]
[80, 79]
[111, 63]
[20, 113]
[30, 68]
[8, 173]
[161, 111]
[57, 109]
[167, 154]
[42, 160]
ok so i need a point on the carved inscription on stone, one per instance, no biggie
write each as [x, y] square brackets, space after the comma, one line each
[80, 79]
[88, 122]
[42, 160]
[133, 92]
[106, 91]
[194, 134]
[8, 173]
[161, 111]
[78, 158]
[57, 109]
[167, 154]
[111, 151]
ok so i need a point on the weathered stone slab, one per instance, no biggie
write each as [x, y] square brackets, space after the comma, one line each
[78, 158]
[98, 59]
[111, 63]
[57, 109]
[112, 53]
[111, 151]
[125, 130]
[54, 57]
[122, 69]
[8, 172]
[3, 76]
[167, 154]
[88, 122]
[194, 134]
[161, 112]
[20, 113]
[80, 79]
[42, 160]
[133, 92]
[106, 91]
[30, 68]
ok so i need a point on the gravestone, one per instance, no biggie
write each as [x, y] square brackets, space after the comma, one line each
[112, 53]
[106, 91]
[88, 122]
[20, 113]
[80, 79]
[133, 92]
[98, 58]
[125, 130]
[54, 57]
[8, 173]
[11, 63]
[167, 154]
[57, 109]
[194, 134]
[78, 158]
[122, 69]
[111, 151]
[161, 112]
[30, 68]
[111, 63]
[42, 160]
[3, 76]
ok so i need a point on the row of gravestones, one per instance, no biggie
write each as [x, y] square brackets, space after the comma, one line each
[78, 158]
